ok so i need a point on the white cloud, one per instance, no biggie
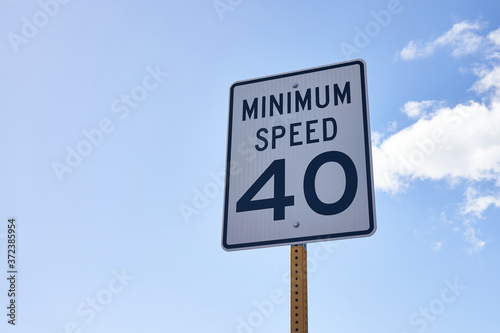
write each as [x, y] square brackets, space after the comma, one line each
[471, 237]
[476, 203]
[461, 38]
[414, 109]
[437, 246]
[415, 50]
[459, 143]
[490, 80]
[472, 209]
[494, 36]
[377, 137]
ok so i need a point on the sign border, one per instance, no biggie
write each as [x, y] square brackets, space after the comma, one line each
[369, 172]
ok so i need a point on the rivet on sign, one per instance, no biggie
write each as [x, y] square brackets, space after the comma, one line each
[296, 224]
[295, 85]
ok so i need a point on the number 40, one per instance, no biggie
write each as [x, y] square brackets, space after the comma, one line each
[280, 201]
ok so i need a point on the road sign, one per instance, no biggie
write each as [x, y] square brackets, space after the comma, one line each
[298, 164]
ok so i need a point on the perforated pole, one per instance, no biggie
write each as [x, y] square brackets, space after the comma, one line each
[298, 288]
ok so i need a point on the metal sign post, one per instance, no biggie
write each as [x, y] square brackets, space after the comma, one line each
[298, 288]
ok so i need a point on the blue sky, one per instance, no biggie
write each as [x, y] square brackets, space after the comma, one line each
[114, 119]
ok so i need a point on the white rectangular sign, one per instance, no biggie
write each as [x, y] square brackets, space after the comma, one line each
[298, 165]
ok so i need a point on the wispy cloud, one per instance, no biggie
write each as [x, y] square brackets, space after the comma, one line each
[476, 203]
[472, 210]
[461, 38]
[414, 109]
[437, 246]
[489, 81]
[471, 236]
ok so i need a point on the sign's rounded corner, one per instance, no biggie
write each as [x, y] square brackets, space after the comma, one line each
[235, 84]
[226, 247]
[359, 61]
[371, 231]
